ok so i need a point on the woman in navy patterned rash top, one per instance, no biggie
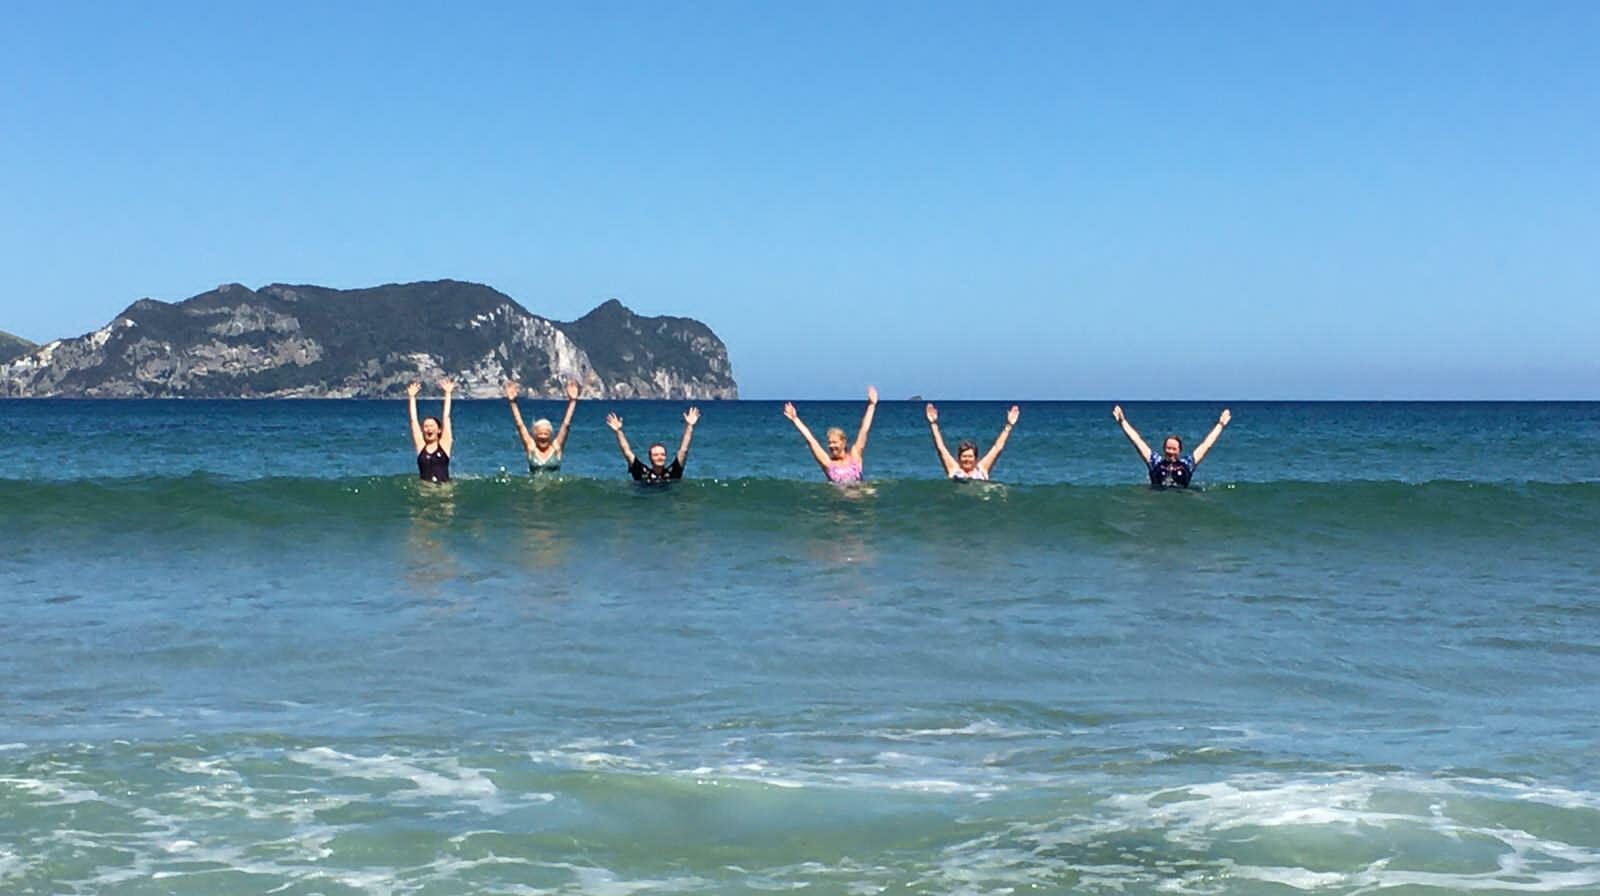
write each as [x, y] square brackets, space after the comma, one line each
[1171, 468]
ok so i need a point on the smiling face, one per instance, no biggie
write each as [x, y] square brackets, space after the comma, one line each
[1172, 448]
[836, 444]
[543, 434]
[658, 456]
[967, 458]
[430, 430]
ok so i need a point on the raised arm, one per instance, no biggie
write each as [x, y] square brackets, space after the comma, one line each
[817, 454]
[416, 426]
[516, 416]
[447, 439]
[1211, 437]
[945, 459]
[690, 418]
[566, 419]
[1132, 434]
[860, 447]
[615, 422]
[1000, 440]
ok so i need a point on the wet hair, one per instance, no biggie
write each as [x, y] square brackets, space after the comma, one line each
[1172, 438]
[654, 446]
[835, 429]
[435, 421]
[966, 445]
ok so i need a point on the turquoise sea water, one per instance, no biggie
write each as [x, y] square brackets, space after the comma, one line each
[244, 652]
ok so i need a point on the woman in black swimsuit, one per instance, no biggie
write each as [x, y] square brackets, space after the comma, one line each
[432, 437]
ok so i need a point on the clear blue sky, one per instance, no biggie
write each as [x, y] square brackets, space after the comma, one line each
[1051, 200]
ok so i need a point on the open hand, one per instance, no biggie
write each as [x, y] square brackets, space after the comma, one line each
[413, 389]
[572, 390]
[691, 416]
[790, 412]
[448, 385]
[1013, 414]
[872, 395]
[1226, 418]
[615, 422]
[932, 413]
[512, 390]
[1116, 412]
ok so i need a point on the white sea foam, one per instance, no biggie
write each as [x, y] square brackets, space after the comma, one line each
[602, 882]
[215, 768]
[1558, 797]
[592, 753]
[1193, 813]
[1189, 839]
[46, 792]
[885, 771]
[1583, 881]
[934, 785]
[1203, 821]
[980, 728]
[454, 781]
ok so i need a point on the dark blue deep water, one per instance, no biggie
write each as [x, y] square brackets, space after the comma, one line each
[243, 651]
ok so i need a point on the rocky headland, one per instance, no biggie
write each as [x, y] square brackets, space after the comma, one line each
[284, 341]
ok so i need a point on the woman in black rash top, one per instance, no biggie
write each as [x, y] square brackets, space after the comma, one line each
[432, 437]
[659, 472]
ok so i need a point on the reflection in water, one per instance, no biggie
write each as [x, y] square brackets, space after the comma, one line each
[845, 561]
[542, 534]
[429, 563]
[843, 515]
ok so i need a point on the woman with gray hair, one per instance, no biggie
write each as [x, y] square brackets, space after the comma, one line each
[544, 442]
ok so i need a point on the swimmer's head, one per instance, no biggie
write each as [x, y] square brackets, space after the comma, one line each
[967, 455]
[543, 433]
[431, 429]
[1172, 448]
[658, 456]
[836, 443]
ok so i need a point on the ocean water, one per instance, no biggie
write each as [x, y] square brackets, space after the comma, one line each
[242, 651]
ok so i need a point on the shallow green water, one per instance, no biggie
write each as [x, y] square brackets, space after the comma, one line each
[245, 653]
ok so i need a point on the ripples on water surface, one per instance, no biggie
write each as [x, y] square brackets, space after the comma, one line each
[1327, 673]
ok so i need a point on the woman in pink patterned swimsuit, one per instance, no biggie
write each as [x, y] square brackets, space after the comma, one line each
[837, 463]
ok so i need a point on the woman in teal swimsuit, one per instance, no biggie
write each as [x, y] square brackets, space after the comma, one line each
[544, 443]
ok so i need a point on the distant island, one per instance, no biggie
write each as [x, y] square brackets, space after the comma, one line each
[286, 341]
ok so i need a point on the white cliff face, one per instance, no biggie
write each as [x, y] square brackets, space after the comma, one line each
[245, 348]
[670, 384]
[563, 359]
[534, 353]
[43, 371]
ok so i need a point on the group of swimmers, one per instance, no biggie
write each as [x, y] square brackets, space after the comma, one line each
[840, 461]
